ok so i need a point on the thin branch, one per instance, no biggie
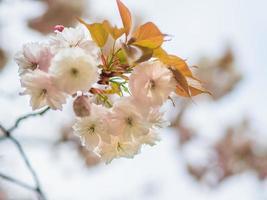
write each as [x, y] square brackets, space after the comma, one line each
[7, 135]
[29, 166]
[20, 119]
[18, 182]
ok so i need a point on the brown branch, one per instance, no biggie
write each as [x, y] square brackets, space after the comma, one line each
[22, 118]
[7, 135]
[17, 182]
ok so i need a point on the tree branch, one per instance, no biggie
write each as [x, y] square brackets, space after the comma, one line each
[18, 182]
[7, 135]
[22, 118]
[29, 166]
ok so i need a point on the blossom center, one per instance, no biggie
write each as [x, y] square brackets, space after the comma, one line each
[129, 121]
[91, 129]
[43, 92]
[74, 71]
[34, 66]
[119, 147]
[152, 84]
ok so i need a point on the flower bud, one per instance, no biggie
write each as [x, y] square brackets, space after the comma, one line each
[59, 28]
[81, 106]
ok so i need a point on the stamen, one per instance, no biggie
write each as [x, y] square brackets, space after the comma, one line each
[129, 121]
[152, 84]
[91, 129]
[74, 71]
[119, 147]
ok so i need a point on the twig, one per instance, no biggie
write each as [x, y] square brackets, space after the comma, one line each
[29, 166]
[20, 119]
[7, 135]
[18, 182]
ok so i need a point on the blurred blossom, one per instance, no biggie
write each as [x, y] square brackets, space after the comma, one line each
[236, 153]
[220, 74]
[58, 12]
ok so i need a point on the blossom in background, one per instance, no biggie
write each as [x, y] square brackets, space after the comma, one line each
[151, 83]
[93, 129]
[117, 148]
[33, 56]
[74, 70]
[126, 121]
[42, 91]
[71, 38]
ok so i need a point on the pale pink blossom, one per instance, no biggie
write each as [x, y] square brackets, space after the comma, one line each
[72, 38]
[42, 91]
[34, 56]
[126, 121]
[151, 83]
[117, 148]
[73, 70]
[93, 129]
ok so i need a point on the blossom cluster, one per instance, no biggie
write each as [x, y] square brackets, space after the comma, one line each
[118, 86]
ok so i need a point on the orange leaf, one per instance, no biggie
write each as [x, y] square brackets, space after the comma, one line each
[195, 88]
[148, 35]
[187, 84]
[176, 63]
[125, 17]
[182, 85]
[159, 53]
[113, 31]
[97, 31]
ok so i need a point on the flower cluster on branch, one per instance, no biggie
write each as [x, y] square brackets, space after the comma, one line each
[118, 77]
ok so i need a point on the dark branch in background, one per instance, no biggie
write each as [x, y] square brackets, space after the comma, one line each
[20, 119]
[18, 182]
[7, 135]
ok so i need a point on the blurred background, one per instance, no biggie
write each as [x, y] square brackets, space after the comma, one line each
[216, 147]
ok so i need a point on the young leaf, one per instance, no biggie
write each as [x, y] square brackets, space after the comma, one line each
[148, 35]
[182, 86]
[147, 53]
[113, 31]
[97, 31]
[159, 53]
[125, 17]
[195, 88]
[177, 63]
[188, 85]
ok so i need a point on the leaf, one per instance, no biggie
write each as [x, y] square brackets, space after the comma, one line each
[159, 53]
[136, 54]
[125, 17]
[147, 53]
[115, 32]
[122, 57]
[132, 53]
[148, 35]
[195, 88]
[182, 85]
[174, 62]
[115, 89]
[188, 85]
[97, 31]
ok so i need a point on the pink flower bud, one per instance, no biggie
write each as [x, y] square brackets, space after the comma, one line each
[59, 28]
[81, 106]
